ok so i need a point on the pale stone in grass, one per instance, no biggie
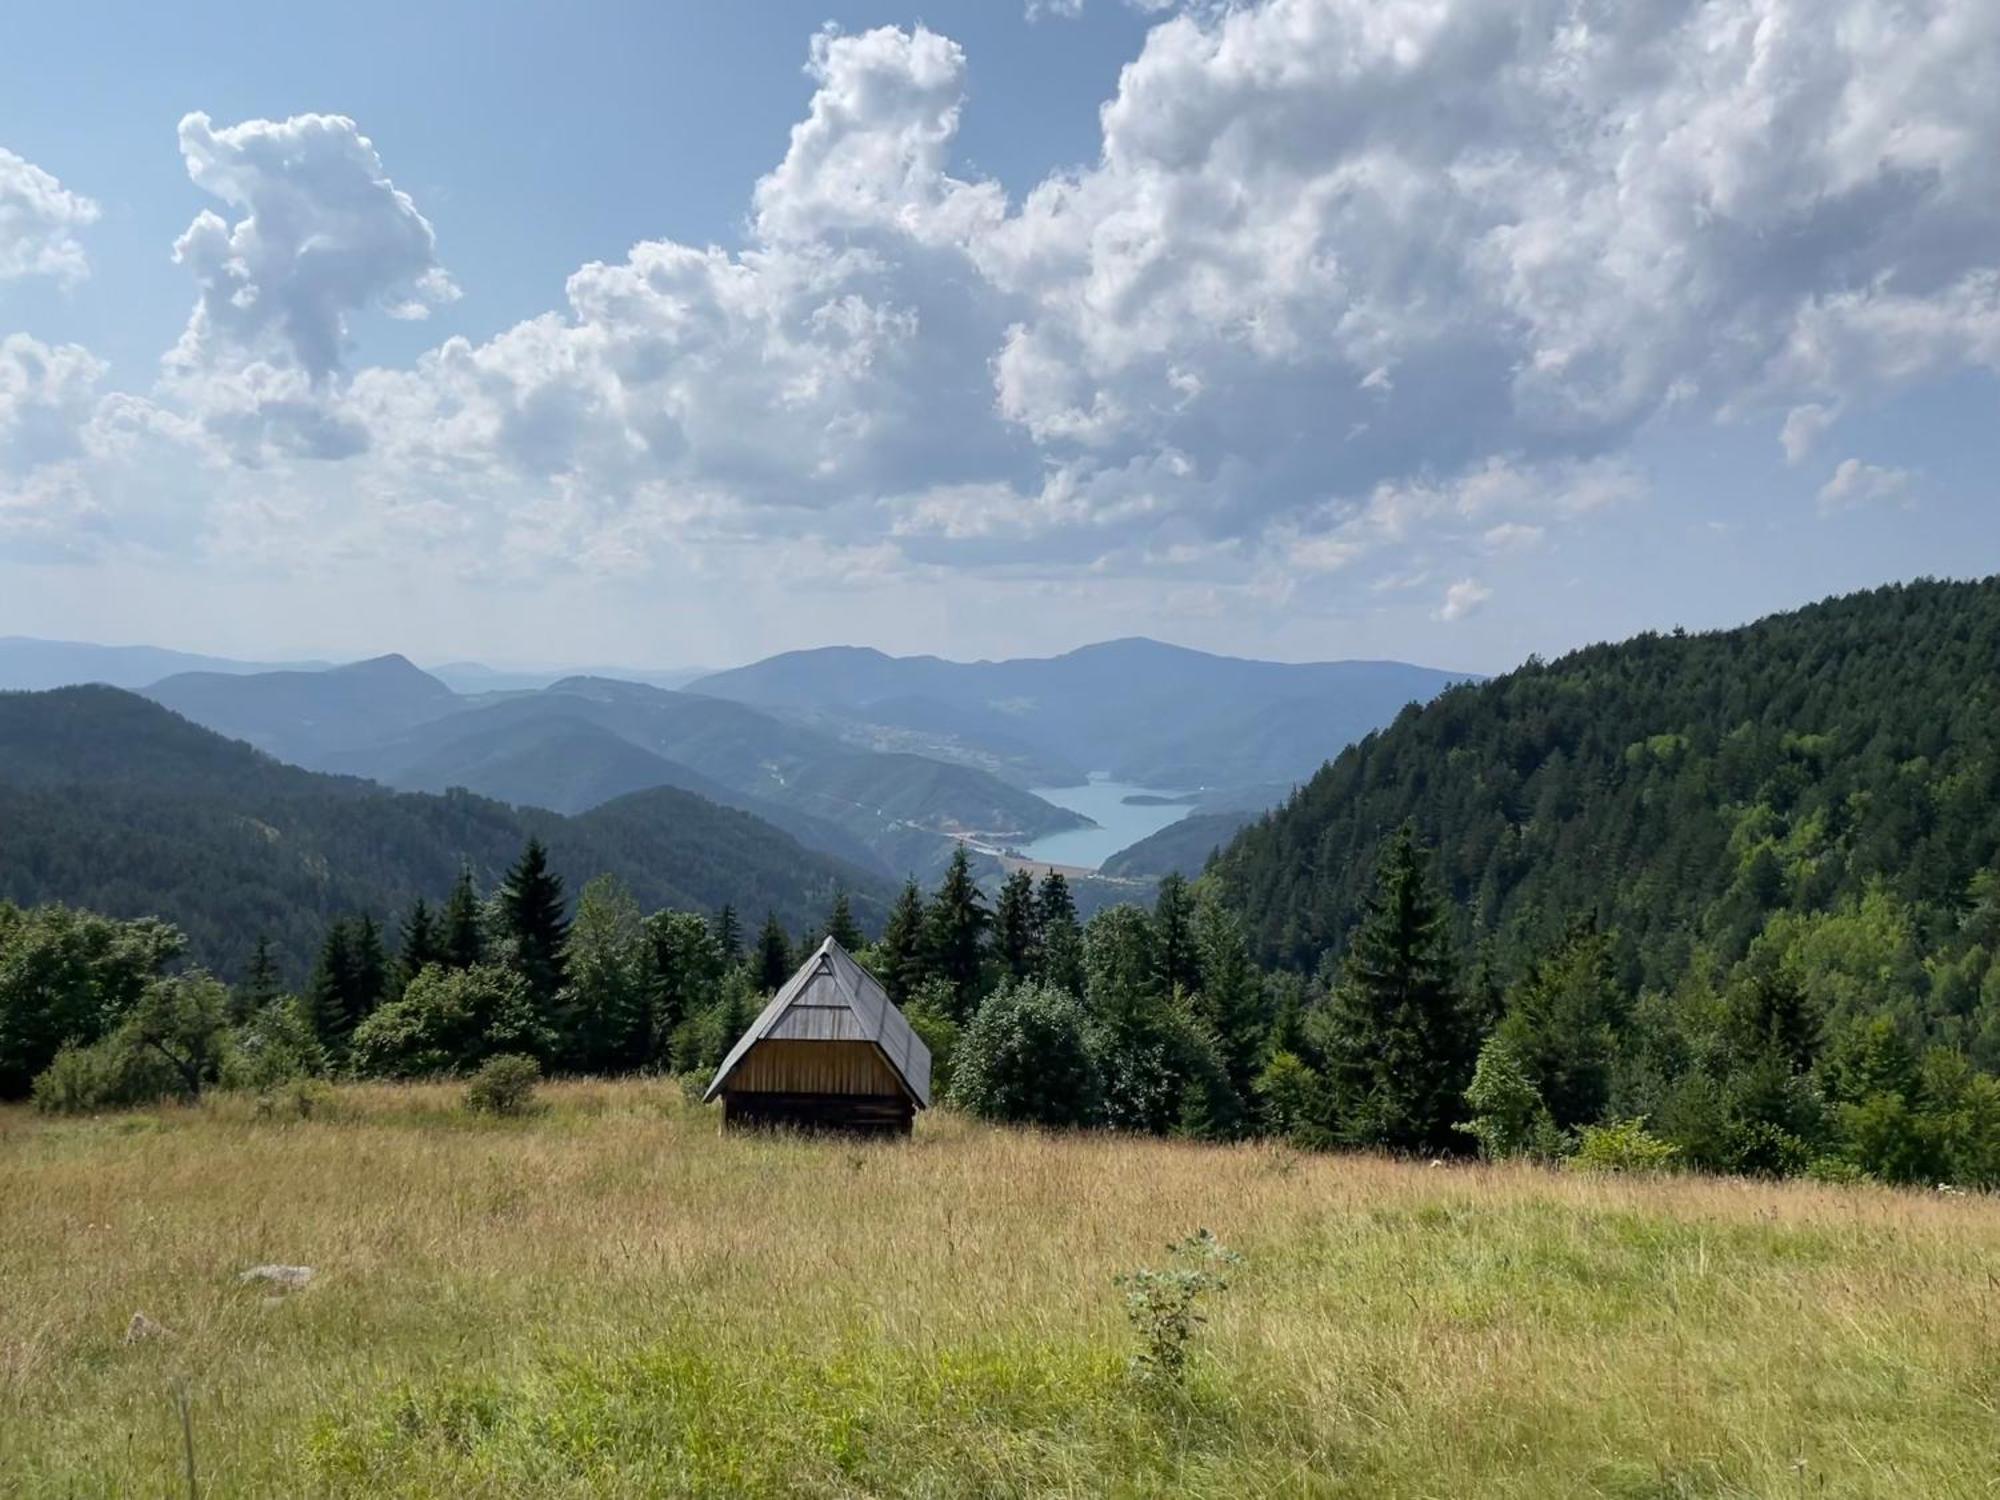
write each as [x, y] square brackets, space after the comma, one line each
[291, 1278]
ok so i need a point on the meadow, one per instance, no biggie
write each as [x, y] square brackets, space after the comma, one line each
[609, 1297]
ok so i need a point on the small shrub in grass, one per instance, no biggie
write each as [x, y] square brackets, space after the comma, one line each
[504, 1085]
[1165, 1306]
[1623, 1146]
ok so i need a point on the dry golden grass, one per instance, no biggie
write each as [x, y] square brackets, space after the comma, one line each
[610, 1298]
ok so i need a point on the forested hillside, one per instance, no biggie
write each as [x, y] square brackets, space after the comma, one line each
[1820, 789]
[111, 802]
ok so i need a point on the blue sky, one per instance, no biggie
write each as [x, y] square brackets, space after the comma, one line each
[1303, 328]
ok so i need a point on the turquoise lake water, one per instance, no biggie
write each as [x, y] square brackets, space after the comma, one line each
[1118, 827]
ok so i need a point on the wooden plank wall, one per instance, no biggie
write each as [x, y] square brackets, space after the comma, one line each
[791, 1067]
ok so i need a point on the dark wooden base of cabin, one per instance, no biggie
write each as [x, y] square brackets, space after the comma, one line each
[842, 1114]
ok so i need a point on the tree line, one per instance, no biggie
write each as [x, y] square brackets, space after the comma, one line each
[1151, 1020]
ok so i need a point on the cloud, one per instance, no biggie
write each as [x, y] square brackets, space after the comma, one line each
[320, 233]
[1387, 279]
[39, 220]
[1804, 426]
[1856, 484]
[1462, 598]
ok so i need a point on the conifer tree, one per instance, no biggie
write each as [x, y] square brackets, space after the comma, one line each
[953, 929]
[774, 955]
[463, 938]
[1059, 939]
[1401, 1046]
[840, 923]
[371, 968]
[419, 944]
[1173, 935]
[900, 954]
[531, 914]
[260, 986]
[1014, 925]
[1230, 1001]
[333, 995]
[729, 935]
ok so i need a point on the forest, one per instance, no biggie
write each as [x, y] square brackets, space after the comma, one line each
[1725, 902]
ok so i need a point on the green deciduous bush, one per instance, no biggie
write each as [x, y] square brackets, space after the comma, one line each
[1623, 1146]
[504, 1085]
[447, 1021]
[1026, 1057]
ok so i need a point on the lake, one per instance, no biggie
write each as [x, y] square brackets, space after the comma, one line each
[1119, 825]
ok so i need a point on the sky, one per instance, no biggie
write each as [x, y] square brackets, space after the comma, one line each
[674, 335]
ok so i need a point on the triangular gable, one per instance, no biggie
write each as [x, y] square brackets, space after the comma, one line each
[833, 999]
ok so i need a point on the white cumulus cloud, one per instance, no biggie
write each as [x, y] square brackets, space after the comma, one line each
[39, 221]
[1855, 484]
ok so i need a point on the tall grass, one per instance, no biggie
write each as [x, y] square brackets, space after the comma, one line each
[609, 1297]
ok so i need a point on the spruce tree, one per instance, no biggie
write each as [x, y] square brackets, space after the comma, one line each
[464, 938]
[729, 935]
[774, 955]
[900, 954]
[1014, 925]
[1230, 1001]
[260, 986]
[330, 993]
[531, 914]
[1401, 1046]
[1059, 939]
[419, 944]
[1173, 935]
[371, 968]
[953, 929]
[840, 923]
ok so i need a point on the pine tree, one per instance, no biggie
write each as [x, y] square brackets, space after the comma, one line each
[1402, 1047]
[729, 935]
[330, 995]
[1230, 1001]
[531, 914]
[774, 955]
[953, 928]
[900, 954]
[1059, 939]
[1173, 935]
[840, 923]
[419, 944]
[1014, 926]
[371, 969]
[464, 939]
[260, 986]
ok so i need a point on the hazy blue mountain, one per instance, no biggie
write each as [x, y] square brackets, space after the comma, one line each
[477, 677]
[33, 665]
[306, 717]
[110, 801]
[586, 736]
[1139, 709]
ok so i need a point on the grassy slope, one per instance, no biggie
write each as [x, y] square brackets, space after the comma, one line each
[611, 1298]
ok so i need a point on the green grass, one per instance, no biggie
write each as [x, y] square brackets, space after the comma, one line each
[611, 1298]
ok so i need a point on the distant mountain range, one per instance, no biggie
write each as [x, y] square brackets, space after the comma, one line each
[884, 762]
[110, 801]
[1145, 712]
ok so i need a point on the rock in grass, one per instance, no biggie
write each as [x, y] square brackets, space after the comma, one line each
[289, 1278]
[142, 1328]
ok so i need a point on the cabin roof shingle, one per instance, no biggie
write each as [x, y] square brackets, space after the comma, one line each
[833, 999]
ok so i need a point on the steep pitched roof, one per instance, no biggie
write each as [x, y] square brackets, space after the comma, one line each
[833, 999]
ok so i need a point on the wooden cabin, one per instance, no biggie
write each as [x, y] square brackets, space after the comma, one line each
[830, 1052]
